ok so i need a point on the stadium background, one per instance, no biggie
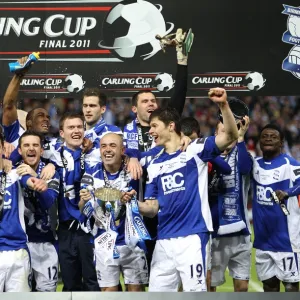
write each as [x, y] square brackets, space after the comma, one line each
[283, 110]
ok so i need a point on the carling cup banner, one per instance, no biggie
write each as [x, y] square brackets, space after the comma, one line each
[247, 47]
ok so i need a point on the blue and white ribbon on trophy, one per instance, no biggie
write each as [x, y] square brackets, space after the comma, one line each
[136, 232]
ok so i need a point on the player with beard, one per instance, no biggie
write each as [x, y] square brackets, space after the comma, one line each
[177, 191]
[75, 247]
[15, 270]
[276, 213]
[39, 228]
[112, 173]
[136, 133]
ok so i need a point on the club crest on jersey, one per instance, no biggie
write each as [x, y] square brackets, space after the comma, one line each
[172, 183]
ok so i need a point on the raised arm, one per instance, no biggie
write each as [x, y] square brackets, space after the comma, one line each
[219, 96]
[10, 113]
[177, 100]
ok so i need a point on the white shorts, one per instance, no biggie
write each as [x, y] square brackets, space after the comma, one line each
[44, 263]
[179, 260]
[132, 264]
[208, 254]
[232, 252]
[15, 271]
[283, 265]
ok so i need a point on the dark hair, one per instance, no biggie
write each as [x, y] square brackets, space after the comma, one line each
[30, 114]
[190, 125]
[274, 127]
[71, 115]
[31, 133]
[95, 92]
[167, 115]
[135, 96]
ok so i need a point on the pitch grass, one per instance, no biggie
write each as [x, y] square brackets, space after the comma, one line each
[254, 285]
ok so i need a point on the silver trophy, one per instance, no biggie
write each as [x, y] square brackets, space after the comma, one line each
[108, 200]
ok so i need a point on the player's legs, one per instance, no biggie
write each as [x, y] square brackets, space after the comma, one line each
[163, 275]
[266, 271]
[220, 255]
[86, 254]
[18, 275]
[44, 262]
[134, 267]
[291, 286]
[108, 275]
[69, 261]
[240, 262]
[190, 256]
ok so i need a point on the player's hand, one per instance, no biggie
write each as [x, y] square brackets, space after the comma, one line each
[180, 36]
[218, 95]
[38, 185]
[184, 142]
[243, 125]
[282, 195]
[25, 169]
[22, 61]
[7, 165]
[85, 195]
[48, 172]
[8, 149]
[134, 168]
[127, 196]
[87, 145]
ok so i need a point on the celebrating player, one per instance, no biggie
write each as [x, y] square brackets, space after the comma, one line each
[40, 228]
[15, 270]
[228, 197]
[276, 213]
[75, 246]
[112, 173]
[177, 191]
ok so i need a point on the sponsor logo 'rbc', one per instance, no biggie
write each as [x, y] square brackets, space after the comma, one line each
[172, 181]
[264, 194]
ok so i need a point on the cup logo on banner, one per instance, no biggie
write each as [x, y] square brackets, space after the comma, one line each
[231, 81]
[132, 82]
[130, 29]
[292, 36]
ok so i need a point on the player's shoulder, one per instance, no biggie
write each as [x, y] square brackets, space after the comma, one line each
[113, 128]
[199, 143]
[291, 160]
[129, 126]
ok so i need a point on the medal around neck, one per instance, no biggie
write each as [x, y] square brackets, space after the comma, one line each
[109, 201]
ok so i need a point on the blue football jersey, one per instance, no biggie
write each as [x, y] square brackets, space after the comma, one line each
[273, 230]
[13, 132]
[12, 226]
[179, 182]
